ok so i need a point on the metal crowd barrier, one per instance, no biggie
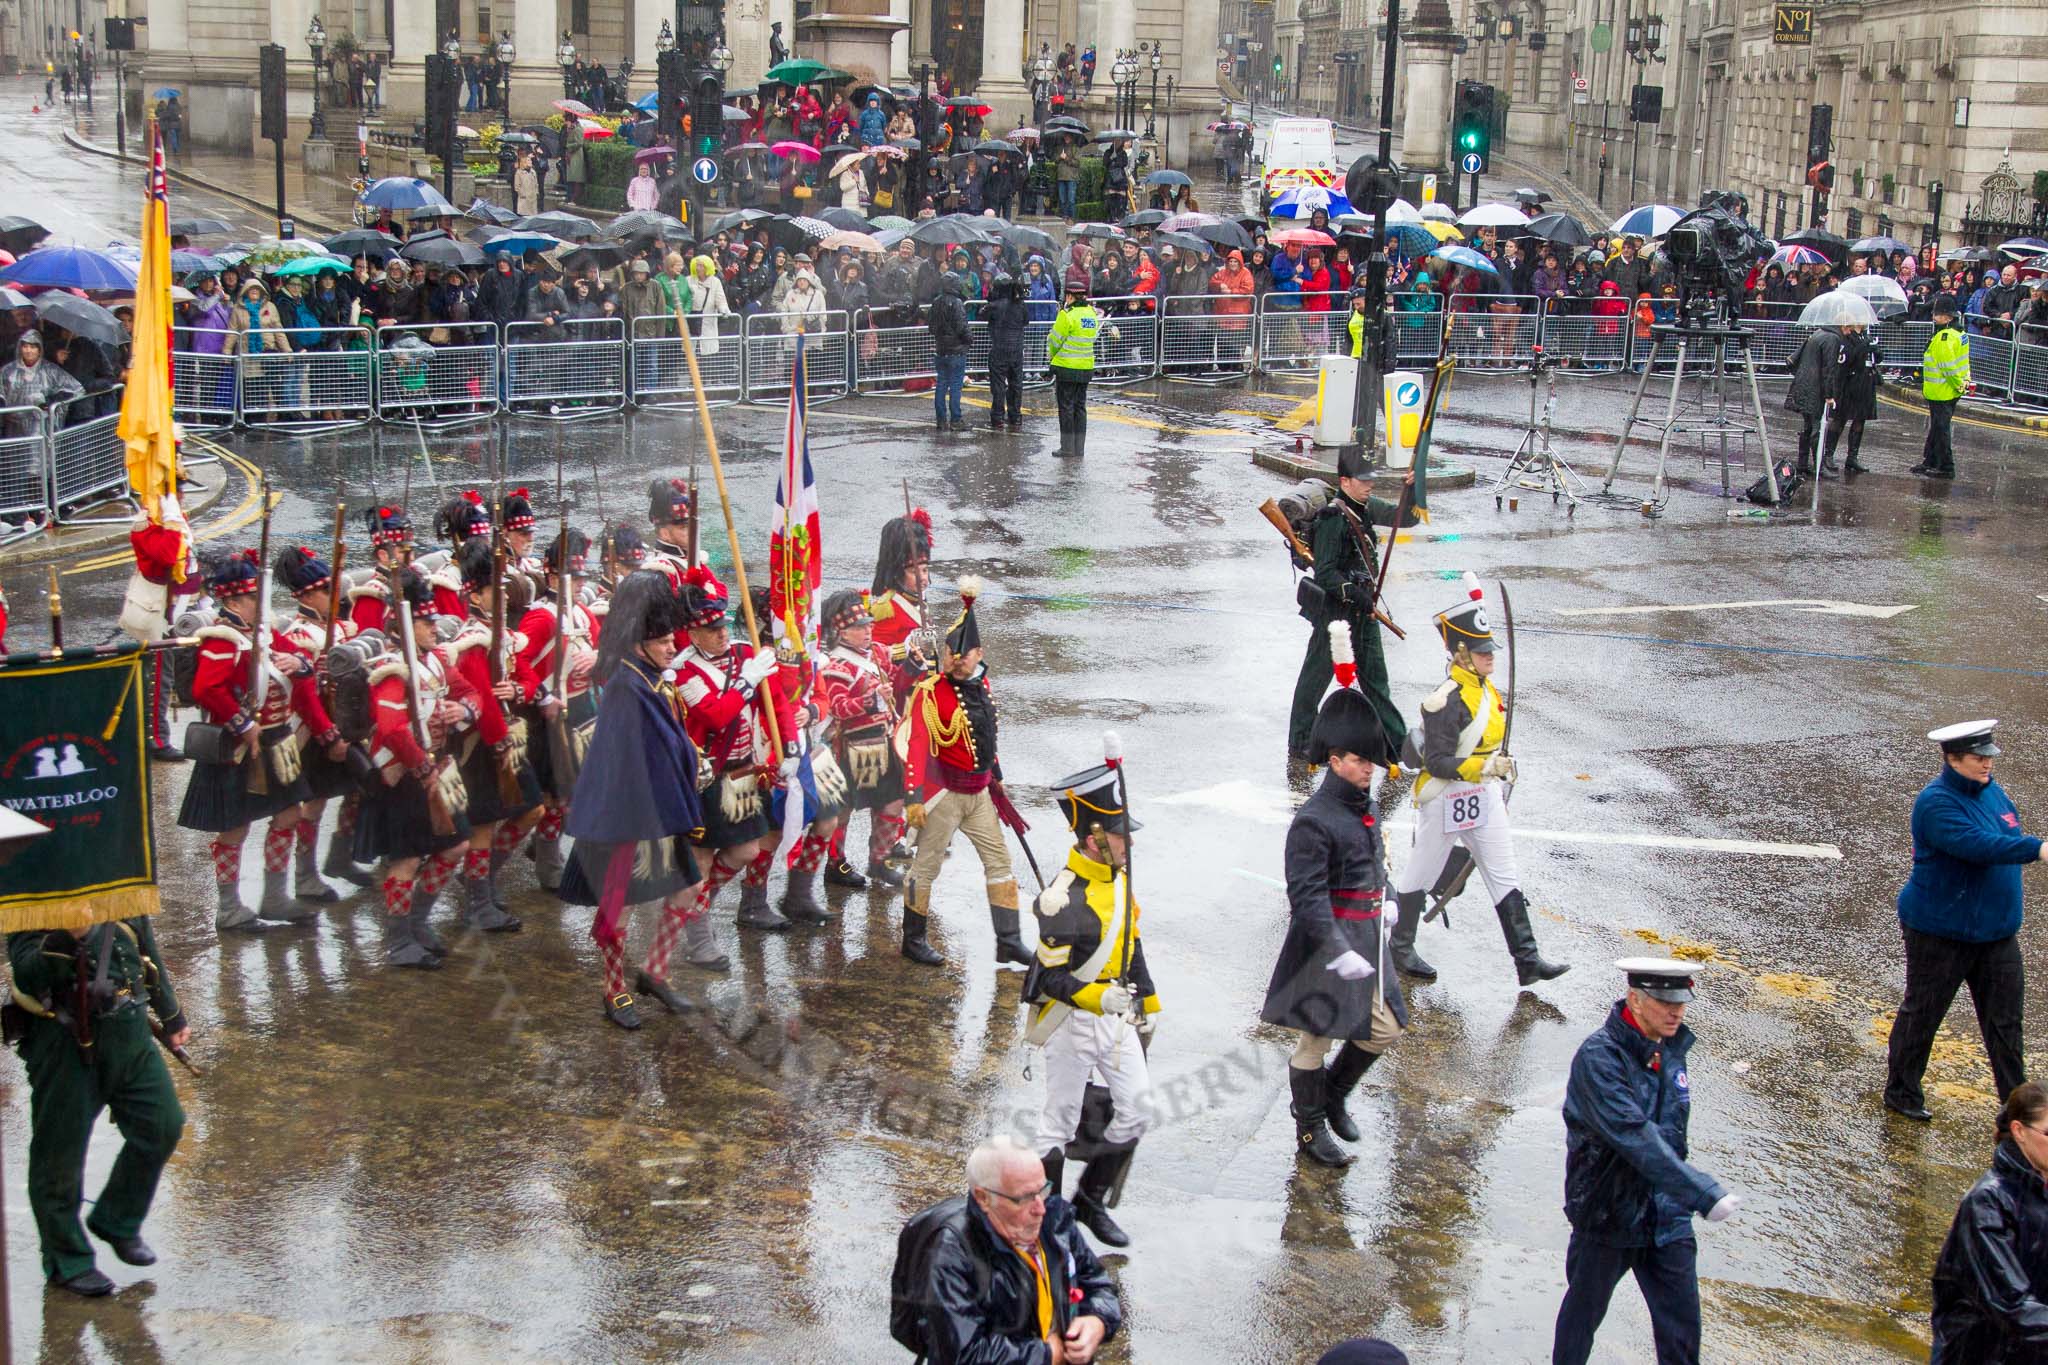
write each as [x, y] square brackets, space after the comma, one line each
[203, 381]
[769, 343]
[661, 372]
[24, 474]
[891, 356]
[577, 369]
[1418, 328]
[1293, 336]
[437, 384]
[325, 384]
[88, 459]
[1127, 346]
[1483, 339]
[1993, 358]
[1207, 338]
[1586, 342]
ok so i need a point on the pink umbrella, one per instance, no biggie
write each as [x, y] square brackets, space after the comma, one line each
[577, 107]
[803, 151]
[1304, 237]
[592, 129]
[658, 152]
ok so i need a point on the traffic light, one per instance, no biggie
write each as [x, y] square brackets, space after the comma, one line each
[1472, 122]
[707, 113]
[443, 79]
[1277, 64]
[271, 91]
[1820, 130]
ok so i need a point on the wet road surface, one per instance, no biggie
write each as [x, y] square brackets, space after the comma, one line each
[383, 1166]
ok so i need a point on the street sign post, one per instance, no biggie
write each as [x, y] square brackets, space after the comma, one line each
[1472, 163]
[704, 170]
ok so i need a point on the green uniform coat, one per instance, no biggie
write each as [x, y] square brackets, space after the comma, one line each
[69, 1086]
[1346, 579]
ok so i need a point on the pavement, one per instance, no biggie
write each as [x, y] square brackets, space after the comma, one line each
[1721, 730]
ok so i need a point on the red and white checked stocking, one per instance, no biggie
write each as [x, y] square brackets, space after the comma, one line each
[476, 864]
[757, 870]
[308, 834]
[810, 853]
[839, 840]
[677, 911]
[510, 832]
[883, 833]
[345, 821]
[277, 848]
[435, 871]
[227, 862]
[397, 895]
[714, 881]
[550, 826]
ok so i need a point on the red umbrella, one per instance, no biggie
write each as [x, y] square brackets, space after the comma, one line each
[1304, 237]
[655, 153]
[593, 129]
[802, 150]
[574, 107]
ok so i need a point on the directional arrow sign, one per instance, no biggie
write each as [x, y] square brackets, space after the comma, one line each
[1818, 606]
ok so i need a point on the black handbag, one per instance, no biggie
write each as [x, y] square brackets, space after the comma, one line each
[206, 742]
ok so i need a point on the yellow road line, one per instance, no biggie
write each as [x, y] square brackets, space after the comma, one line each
[1116, 418]
[1302, 414]
[2028, 430]
[243, 513]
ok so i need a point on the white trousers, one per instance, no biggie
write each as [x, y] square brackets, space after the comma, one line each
[1491, 845]
[1085, 1046]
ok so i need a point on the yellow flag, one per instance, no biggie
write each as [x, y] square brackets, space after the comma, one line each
[146, 425]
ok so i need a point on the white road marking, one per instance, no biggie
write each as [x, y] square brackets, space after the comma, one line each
[1758, 847]
[1258, 877]
[693, 1319]
[666, 1160]
[1239, 797]
[1819, 606]
[678, 1203]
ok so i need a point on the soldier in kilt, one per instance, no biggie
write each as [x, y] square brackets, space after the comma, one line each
[558, 726]
[858, 693]
[246, 758]
[819, 779]
[325, 759]
[634, 808]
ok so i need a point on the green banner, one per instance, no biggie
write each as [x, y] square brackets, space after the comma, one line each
[71, 759]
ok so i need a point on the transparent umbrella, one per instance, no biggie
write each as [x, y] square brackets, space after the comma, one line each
[1838, 308]
[1882, 293]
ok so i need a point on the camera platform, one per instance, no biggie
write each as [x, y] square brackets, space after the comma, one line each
[1535, 467]
[1710, 353]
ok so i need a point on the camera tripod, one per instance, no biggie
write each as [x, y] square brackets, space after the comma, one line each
[1709, 414]
[1535, 466]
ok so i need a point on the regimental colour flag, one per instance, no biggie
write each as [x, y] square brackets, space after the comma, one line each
[796, 558]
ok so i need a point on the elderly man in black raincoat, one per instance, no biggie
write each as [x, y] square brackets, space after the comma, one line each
[1332, 982]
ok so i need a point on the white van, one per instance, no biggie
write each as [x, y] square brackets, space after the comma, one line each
[1299, 151]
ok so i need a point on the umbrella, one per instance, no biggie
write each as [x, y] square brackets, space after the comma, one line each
[1117, 135]
[1434, 212]
[484, 211]
[1795, 254]
[968, 102]
[1228, 125]
[1168, 178]
[660, 151]
[81, 317]
[738, 220]
[746, 147]
[519, 242]
[1828, 244]
[1559, 228]
[70, 267]
[518, 139]
[846, 163]
[846, 219]
[902, 145]
[570, 227]
[14, 298]
[1494, 215]
[593, 129]
[646, 223]
[883, 221]
[796, 71]
[797, 232]
[1144, 218]
[300, 266]
[1224, 235]
[1022, 135]
[953, 229]
[1864, 244]
[649, 102]
[1027, 238]
[444, 251]
[728, 114]
[802, 151]
[164, 94]
[1192, 218]
[603, 255]
[889, 237]
[1466, 256]
[404, 192]
[1526, 195]
[363, 242]
[1304, 237]
[995, 146]
[1410, 239]
[1837, 308]
[1105, 231]
[185, 262]
[1645, 220]
[1336, 206]
[21, 233]
[1185, 241]
[464, 130]
[1969, 254]
[576, 107]
[851, 241]
[1884, 295]
[1443, 232]
[2021, 247]
[197, 227]
[1401, 211]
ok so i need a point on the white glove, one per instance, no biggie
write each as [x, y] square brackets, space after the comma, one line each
[1350, 966]
[1390, 911]
[788, 767]
[1498, 767]
[1728, 1204]
[1116, 1001]
[757, 667]
[1146, 1024]
[2042, 856]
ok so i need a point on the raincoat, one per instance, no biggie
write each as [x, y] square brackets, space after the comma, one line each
[1989, 1304]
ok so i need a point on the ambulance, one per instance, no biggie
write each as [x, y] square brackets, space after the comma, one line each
[1299, 151]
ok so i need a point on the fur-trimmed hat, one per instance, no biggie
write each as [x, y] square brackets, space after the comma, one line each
[474, 562]
[668, 502]
[627, 547]
[236, 575]
[388, 525]
[301, 571]
[643, 608]
[906, 540]
[579, 549]
[515, 510]
[705, 602]
[463, 518]
[844, 608]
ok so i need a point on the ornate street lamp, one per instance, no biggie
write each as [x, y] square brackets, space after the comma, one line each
[1149, 128]
[565, 57]
[507, 53]
[665, 41]
[316, 38]
[452, 49]
[721, 57]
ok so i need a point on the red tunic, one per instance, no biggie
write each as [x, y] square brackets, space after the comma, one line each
[722, 722]
[470, 655]
[941, 754]
[396, 748]
[220, 681]
[856, 690]
[533, 667]
[304, 638]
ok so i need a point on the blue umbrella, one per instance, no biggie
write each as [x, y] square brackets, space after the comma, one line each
[70, 267]
[1410, 239]
[184, 262]
[1646, 220]
[398, 192]
[166, 93]
[1303, 200]
[1466, 256]
[519, 243]
[649, 102]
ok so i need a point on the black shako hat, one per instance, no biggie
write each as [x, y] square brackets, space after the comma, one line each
[965, 632]
[1090, 797]
[1466, 623]
[1348, 724]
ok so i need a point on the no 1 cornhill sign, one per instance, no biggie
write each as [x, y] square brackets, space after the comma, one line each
[1793, 24]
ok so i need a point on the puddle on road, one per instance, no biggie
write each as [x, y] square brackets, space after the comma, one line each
[1799, 986]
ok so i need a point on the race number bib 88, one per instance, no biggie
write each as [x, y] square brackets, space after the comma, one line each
[1464, 808]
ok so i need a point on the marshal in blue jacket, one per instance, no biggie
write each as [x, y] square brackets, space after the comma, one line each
[1626, 1110]
[1967, 854]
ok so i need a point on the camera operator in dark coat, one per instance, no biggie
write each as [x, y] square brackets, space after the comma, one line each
[1007, 320]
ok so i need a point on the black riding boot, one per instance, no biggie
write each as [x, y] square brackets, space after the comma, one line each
[1530, 966]
[1342, 1077]
[1401, 943]
[1009, 938]
[1091, 1199]
[1311, 1135]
